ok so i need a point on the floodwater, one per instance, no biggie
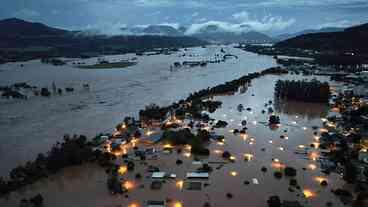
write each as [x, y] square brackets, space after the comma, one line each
[33, 126]
[86, 185]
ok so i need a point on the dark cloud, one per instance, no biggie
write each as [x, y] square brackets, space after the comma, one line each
[270, 16]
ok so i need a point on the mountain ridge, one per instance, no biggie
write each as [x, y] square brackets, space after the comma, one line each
[15, 26]
[286, 36]
[21, 40]
[350, 40]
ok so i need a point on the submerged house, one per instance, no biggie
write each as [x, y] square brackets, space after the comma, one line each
[363, 155]
[155, 203]
[153, 116]
[158, 175]
[195, 175]
[361, 90]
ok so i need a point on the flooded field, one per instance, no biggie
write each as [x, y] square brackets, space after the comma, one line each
[33, 126]
[244, 180]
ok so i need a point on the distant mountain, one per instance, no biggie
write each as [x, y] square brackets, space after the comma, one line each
[29, 40]
[211, 33]
[232, 37]
[353, 39]
[182, 29]
[308, 31]
[257, 37]
[359, 29]
[14, 26]
[162, 30]
[216, 34]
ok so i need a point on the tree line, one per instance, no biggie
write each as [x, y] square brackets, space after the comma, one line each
[72, 151]
[194, 102]
[308, 91]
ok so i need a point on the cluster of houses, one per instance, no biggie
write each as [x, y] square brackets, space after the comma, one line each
[345, 124]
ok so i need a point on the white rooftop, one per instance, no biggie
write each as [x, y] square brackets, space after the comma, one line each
[197, 175]
[158, 175]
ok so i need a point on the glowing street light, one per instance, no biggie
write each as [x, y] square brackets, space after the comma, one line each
[180, 184]
[312, 166]
[308, 193]
[122, 169]
[178, 204]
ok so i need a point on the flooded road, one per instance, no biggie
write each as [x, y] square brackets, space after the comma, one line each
[33, 126]
[86, 185]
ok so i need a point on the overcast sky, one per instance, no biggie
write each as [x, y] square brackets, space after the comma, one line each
[269, 16]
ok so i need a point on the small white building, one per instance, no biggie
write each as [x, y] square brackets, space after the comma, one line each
[255, 181]
[363, 155]
[158, 175]
[119, 141]
[360, 90]
[364, 75]
[195, 175]
[196, 163]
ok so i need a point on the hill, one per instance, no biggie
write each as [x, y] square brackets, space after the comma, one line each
[308, 31]
[22, 40]
[213, 33]
[350, 40]
[18, 27]
[162, 30]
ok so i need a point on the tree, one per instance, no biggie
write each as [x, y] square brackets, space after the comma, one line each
[45, 92]
[4, 187]
[274, 120]
[37, 200]
[289, 171]
[350, 172]
[274, 201]
[226, 155]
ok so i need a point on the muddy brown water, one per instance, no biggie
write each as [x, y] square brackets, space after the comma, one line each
[86, 185]
[33, 126]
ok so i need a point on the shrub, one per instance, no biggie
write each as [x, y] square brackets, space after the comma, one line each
[289, 171]
[220, 124]
[37, 200]
[274, 201]
[226, 155]
[293, 182]
[277, 175]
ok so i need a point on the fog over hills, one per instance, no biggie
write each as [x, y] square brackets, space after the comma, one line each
[23, 40]
[211, 32]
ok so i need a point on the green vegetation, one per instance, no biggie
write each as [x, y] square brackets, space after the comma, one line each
[308, 91]
[108, 65]
[278, 174]
[290, 171]
[274, 201]
[205, 168]
[184, 136]
[153, 112]
[36, 201]
[113, 182]
[194, 104]
[37, 40]
[72, 151]
[53, 61]
[274, 120]
[349, 40]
